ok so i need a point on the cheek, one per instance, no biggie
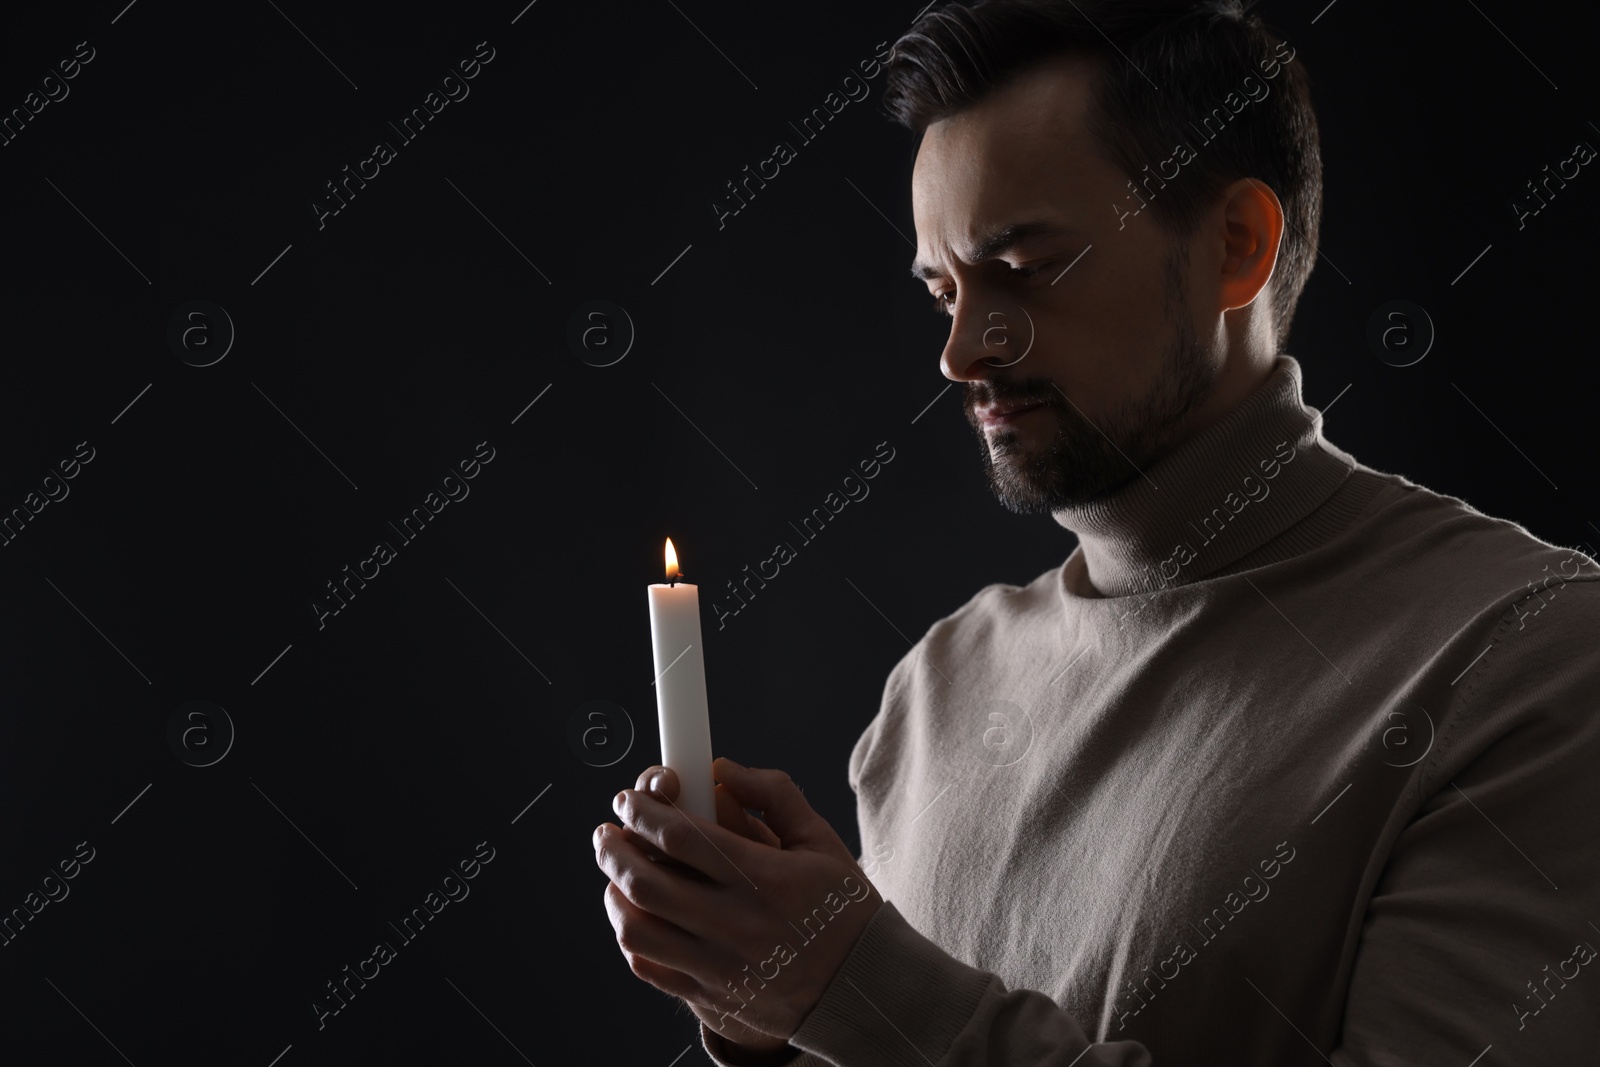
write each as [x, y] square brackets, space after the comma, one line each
[1106, 327]
[1114, 332]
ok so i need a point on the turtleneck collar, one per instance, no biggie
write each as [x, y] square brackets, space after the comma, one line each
[1218, 496]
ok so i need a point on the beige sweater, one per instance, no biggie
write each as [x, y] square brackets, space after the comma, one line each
[1292, 761]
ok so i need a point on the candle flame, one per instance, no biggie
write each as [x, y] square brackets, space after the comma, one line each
[672, 561]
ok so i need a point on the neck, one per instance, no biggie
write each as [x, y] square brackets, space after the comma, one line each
[1241, 375]
[1244, 476]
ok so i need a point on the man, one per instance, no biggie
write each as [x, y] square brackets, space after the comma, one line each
[1292, 761]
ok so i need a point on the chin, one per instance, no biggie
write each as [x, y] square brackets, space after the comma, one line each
[1017, 492]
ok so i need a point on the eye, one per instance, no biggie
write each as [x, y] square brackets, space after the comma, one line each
[943, 303]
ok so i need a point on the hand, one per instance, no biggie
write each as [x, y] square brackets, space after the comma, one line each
[747, 1046]
[747, 920]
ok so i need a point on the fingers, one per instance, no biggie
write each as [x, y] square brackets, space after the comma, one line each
[730, 809]
[655, 854]
[784, 808]
[731, 813]
[666, 785]
[645, 881]
[715, 851]
[654, 946]
[641, 844]
[659, 888]
[669, 981]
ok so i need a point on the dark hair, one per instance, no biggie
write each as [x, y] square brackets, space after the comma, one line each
[1161, 63]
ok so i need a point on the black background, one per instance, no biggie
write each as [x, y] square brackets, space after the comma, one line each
[772, 356]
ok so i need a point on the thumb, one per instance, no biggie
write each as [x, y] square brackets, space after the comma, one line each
[783, 807]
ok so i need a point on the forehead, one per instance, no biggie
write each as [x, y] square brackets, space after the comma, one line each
[1020, 152]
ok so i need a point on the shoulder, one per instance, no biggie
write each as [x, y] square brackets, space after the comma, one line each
[997, 610]
[1451, 559]
[1502, 621]
[1419, 519]
[996, 615]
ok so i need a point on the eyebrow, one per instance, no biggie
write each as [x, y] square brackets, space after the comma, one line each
[995, 242]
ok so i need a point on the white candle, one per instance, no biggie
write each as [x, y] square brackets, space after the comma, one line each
[681, 690]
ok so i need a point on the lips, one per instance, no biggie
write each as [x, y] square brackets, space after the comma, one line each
[994, 414]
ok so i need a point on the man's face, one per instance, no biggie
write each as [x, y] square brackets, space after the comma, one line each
[1109, 349]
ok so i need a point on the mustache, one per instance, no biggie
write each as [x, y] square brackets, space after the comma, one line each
[980, 393]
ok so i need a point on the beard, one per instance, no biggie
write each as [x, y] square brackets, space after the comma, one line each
[1086, 460]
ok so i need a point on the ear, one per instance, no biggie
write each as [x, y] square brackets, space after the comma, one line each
[1252, 220]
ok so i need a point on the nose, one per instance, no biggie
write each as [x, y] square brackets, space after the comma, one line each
[980, 342]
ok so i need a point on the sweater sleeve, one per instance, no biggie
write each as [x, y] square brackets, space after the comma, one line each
[899, 1000]
[711, 1041]
[1480, 932]
[902, 1001]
